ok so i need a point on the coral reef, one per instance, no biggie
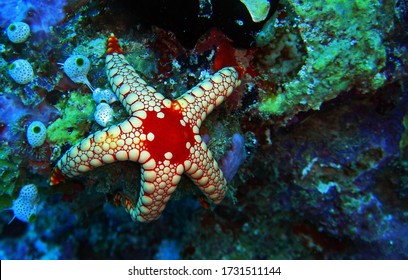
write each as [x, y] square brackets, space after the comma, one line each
[76, 116]
[345, 49]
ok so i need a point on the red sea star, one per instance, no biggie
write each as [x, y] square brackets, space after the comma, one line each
[161, 134]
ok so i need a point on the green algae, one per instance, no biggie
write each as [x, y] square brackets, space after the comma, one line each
[9, 169]
[76, 117]
[345, 49]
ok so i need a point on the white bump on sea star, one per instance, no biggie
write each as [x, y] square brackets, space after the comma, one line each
[203, 181]
[95, 162]
[83, 168]
[210, 189]
[219, 100]
[147, 200]
[175, 180]
[122, 156]
[150, 136]
[85, 144]
[109, 65]
[135, 122]
[120, 142]
[144, 209]
[126, 126]
[134, 155]
[105, 147]
[144, 156]
[150, 164]
[180, 169]
[148, 187]
[196, 130]
[125, 88]
[159, 96]
[167, 103]
[136, 106]
[109, 57]
[73, 152]
[108, 159]
[189, 98]
[193, 168]
[183, 103]
[172, 188]
[168, 155]
[140, 114]
[216, 78]
[131, 98]
[100, 136]
[197, 91]
[206, 85]
[114, 131]
[117, 80]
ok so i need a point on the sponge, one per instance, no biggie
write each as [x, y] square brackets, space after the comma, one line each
[103, 114]
[104, 95]
[36, 133]
[18, 32]
[21, 71]
[25, 206]
[77, 67]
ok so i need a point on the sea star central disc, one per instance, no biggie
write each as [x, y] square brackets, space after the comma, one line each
[168, 134]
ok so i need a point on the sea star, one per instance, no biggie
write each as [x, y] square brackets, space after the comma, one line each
[160, 134]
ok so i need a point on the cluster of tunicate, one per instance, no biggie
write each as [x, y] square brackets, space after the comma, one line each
[77, 67]
[21, 71]
[36, 133]
[18, 32]
[104, 95]
[25, 206]
[103, 114]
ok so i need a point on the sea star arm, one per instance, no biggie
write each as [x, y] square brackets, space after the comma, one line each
[203, 170]
[104, 147]
[129, 87]
[159, 181]
[198, 102]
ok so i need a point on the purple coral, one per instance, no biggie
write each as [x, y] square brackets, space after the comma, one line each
[11, 103]
[40, 14]
[231, 162]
